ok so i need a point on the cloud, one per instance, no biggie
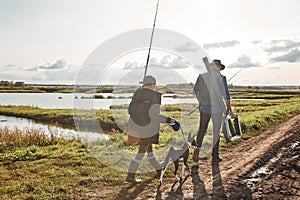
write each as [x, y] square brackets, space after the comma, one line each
[179, 63]
[59, 64]
[281, 46]
[132, 65]
[33, 69]
[221, 44]
[164, 63]
[256, 41]
[166, 60]
[59, 72]
[292, 56]
[243, 62]
[188, 46]
[12, 67]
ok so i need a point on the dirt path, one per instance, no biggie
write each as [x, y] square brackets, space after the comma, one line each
[263, 167]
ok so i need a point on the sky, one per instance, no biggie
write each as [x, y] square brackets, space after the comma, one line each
[48, 41]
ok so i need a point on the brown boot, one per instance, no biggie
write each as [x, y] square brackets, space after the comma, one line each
[215, 152]
[196, 155]
[216, 159]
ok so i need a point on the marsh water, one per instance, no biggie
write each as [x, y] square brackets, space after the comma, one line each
[66, 101]
[71, 101]
[19, 123]
[77, 100]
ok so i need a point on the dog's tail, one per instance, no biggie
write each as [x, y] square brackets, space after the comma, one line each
[168, 157]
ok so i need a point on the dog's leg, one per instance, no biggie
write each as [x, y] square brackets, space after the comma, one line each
[186, 164]
[182, 171]
[176, 168]
[168, 157]
[163, 171]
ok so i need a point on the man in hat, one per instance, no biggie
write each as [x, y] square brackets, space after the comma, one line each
[210, 90]
[144, 124]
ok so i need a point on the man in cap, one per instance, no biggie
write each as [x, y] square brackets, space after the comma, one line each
[144, 125]
[210, 90]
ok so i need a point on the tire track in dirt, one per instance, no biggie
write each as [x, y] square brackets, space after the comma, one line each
[251, 151]
[276, 175]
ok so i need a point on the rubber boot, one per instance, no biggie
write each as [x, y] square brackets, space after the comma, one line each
[134, 164]
[154, 163]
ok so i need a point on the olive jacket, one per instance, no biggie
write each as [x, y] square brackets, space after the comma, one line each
[145, 117]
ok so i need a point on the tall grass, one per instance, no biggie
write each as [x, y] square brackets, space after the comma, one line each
[13, 139]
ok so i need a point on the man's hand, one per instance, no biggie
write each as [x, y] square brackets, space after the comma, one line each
[231, 114]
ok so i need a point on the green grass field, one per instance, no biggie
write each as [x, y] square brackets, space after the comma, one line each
[36, 166]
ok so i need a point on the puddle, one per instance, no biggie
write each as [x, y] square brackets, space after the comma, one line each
[294, 145]
[252, 180]
[273, 160]
[257, 175]
[261, 172]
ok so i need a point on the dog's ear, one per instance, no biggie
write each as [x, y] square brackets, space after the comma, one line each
[193, 141]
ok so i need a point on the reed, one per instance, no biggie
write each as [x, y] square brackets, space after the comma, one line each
[13, 139]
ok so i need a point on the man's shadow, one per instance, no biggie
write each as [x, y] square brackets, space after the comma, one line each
[218, 187]
[199, 186]
[137, 188]
[237, 191]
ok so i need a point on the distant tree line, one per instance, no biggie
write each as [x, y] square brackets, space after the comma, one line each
[12, 84]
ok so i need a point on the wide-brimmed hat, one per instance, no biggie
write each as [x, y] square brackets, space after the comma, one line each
[148, 80]
[218, 63]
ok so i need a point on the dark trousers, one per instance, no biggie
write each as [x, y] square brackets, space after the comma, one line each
[143, 148]
[217, 119]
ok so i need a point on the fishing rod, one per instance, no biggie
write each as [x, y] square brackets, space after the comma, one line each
[235, 75]
[148, 57]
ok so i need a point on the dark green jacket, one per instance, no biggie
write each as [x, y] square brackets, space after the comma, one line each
[145, 117]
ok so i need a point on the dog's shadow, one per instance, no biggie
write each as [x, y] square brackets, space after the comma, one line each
[174, 193]
[133, 190]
